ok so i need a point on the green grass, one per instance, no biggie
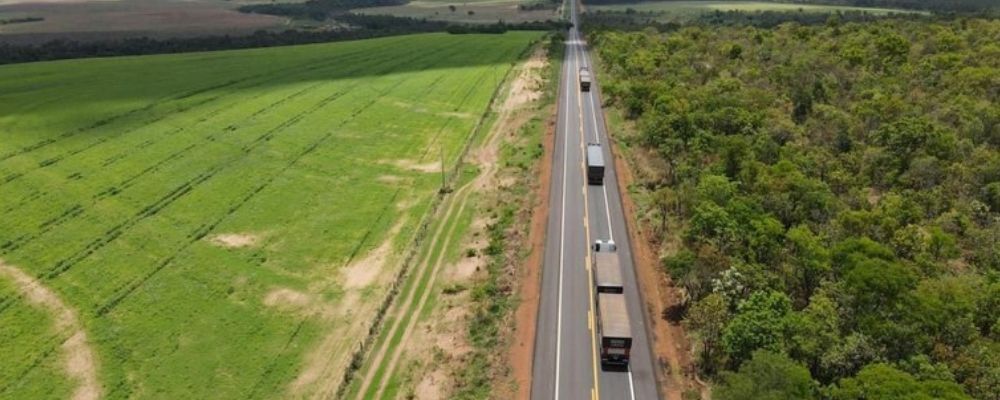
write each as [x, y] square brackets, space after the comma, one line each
[694, 8]
[22, 327]
[115, 172]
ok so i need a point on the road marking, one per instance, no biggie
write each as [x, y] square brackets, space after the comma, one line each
[607, 207]
[562, 238]
[586, 228]
[631, 388]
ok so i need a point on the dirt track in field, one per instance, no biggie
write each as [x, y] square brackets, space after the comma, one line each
[80, 359]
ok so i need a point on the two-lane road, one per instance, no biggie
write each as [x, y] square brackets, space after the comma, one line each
[566, 364]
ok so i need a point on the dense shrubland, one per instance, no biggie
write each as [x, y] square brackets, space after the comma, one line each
[947, 6]
[828, 199]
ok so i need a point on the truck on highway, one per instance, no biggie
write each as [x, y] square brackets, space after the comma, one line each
[607, 268]
[595, 164]
[585, 79]
[614, 329]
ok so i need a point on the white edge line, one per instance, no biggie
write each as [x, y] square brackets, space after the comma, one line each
[631, 388]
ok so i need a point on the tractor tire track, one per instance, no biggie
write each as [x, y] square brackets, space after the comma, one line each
[67, 263]
[405, 311]
[178, 97]
[247, 82]
[204, 230]
[76, 210]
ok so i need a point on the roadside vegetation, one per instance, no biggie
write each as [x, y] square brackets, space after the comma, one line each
[825, 196]
[444, 336]
[225, 224]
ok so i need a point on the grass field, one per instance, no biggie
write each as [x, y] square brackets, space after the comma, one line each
[694, 8]
[482, 11]
[224, 224]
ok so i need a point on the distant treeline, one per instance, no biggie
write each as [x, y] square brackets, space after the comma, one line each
[632, 20]
[629, 20]
[365, 26]
[540, 5]
[928, 5]
[315, 9]
[770, 19]
[20, 20]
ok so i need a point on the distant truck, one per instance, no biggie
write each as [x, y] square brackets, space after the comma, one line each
[614, 329]
[585, 79]
[595, 164]
[607, 268]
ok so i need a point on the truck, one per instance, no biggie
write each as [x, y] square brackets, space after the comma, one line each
[614, 330]
[607, 268]
[585, 79]
[595, 164]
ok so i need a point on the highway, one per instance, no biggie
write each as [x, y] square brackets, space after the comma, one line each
[566, 363]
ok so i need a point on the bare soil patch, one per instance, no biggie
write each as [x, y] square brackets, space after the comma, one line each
[415, 166]
[80, 359]
[363, 272]
[390, 179]
[322, 372]
[287, 298]
[235, 240]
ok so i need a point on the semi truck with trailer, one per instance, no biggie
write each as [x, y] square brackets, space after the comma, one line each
[595, 164]
[614, 330]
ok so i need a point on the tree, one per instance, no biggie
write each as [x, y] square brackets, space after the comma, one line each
[452, 7]
[665, 200]
[809, 258]
[814, 332]
[909, 137]
[767, 376]
[759, 324]
[943, 310]
[885, 382]
[708, 317]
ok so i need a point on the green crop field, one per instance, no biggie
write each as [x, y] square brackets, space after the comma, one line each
[223, 224]
[689, 8]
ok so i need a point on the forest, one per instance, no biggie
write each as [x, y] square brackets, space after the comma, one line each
[315, 9]
[942, 6]
[826, 197]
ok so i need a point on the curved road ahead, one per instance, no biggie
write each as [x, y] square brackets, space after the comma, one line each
[566, 364]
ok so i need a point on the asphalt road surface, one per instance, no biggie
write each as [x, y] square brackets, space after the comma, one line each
[566, 363]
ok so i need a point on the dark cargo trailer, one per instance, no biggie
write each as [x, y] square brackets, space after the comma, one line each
[595, 164]
[585, 79]
[614, 329]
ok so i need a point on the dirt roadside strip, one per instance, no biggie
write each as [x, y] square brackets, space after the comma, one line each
[79, 358]
[522, 350]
